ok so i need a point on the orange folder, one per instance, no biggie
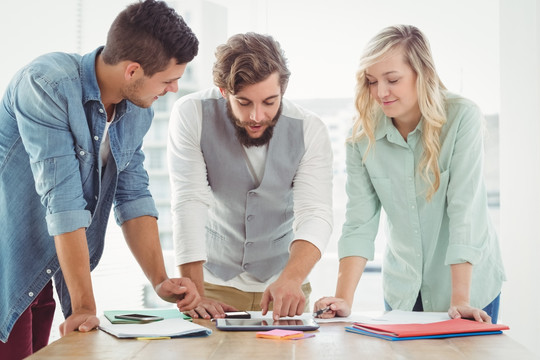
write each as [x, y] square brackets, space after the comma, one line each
[448, 328]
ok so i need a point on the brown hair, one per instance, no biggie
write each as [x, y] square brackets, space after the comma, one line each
[151, 34]
[247, 59]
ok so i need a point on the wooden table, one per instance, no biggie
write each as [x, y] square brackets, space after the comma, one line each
[330, 342]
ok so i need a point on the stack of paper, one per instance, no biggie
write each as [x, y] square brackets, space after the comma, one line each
[164, 313]
[167, 328]
[441, 329]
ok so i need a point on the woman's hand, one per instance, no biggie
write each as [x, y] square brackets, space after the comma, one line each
[468, 312]
[336, 307]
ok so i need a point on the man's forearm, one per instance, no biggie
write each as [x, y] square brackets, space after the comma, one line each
[74, 259]
[303, 257]
[142, 237]
[194, 271]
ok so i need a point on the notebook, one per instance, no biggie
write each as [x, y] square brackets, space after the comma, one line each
[164, 313]
[164, 329]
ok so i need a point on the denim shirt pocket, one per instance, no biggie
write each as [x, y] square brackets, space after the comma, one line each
[123, 159]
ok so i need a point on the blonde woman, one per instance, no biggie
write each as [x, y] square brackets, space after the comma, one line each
[416, 150]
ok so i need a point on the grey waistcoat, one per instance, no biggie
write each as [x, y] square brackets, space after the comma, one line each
[263, 215]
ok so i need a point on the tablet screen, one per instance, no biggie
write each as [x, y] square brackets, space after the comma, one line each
[266, 324]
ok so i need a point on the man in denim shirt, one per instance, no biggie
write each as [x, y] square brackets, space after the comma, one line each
[71, 132]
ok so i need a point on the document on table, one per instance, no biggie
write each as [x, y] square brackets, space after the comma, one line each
[164, 313]
[167, 328]
[390, 317]
[259, 315]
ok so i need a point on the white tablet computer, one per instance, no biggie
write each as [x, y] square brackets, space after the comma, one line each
[266, 324]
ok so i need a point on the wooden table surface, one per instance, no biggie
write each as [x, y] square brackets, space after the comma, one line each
[330, 342]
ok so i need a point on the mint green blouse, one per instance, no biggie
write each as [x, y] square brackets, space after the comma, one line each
[424, 238]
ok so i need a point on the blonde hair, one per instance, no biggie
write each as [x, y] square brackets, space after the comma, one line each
[430, 90]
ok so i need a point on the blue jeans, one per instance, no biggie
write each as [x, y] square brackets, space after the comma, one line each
[492, 309]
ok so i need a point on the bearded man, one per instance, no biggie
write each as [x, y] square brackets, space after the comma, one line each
[251, 177]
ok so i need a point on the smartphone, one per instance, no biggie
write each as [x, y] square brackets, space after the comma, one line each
[237, 315]
[139, 317]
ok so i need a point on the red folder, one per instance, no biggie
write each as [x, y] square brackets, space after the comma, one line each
[448, 328]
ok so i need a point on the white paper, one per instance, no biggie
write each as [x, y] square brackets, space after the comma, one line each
[411, 317]
[174, 327]
[269, 314]
[390, 317]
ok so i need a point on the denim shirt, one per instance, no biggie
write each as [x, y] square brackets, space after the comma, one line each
[51, 179]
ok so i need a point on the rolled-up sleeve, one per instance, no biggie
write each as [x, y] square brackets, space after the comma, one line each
[191, 195]
[313, 186]
[466, 195]
[133, 197]
[140, 207]
[44, 127]
[363, 209]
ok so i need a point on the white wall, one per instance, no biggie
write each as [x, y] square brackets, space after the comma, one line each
[520, 167]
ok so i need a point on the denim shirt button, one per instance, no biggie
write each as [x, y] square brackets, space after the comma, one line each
[101, 111]
[81, 153]
[48, 271]
[96, 138]
[31, 294]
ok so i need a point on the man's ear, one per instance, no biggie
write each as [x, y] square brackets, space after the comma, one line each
[131, 70]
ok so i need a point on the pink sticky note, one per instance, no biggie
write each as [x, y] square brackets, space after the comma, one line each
[279, 334]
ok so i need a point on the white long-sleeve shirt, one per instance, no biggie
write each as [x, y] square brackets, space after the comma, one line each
[192, 195]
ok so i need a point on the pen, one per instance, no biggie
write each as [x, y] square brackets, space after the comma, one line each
[321, 311]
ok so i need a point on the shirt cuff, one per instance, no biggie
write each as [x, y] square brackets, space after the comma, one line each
[67, 221]
[353, 246]
[316, 231]
[458, 254]
[132, 209]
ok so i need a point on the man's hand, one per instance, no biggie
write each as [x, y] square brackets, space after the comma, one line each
[287, 297]
[83, 322]
[210, 309]
[182, 291]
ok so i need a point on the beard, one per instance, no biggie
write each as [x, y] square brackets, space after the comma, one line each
[131, 93]
[241, 133]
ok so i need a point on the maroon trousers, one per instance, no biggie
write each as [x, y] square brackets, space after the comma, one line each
[32, 329]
